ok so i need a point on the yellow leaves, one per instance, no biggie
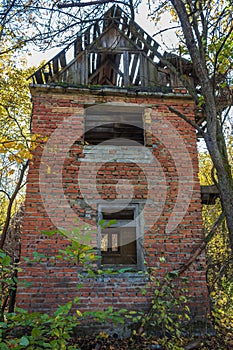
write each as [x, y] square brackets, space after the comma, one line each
[11, 158]
[20, 150]
[22, 155]
[15, 111]
[78, 312]
[11, 172]
[103, 335]
[205, 166]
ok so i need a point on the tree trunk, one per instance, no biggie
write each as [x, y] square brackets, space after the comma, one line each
[214, 137]
[225, 182]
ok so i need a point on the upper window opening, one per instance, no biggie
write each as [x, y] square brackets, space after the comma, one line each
[115, 124]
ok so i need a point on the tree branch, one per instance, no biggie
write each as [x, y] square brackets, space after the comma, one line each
[185, 266]
[11, 201]
[7, 194]
[218, 53]
[165, 30]
[90, 3]
[174, 70]
[188, 120]
[202, 246]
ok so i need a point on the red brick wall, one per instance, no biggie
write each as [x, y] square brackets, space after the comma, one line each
[55, 283]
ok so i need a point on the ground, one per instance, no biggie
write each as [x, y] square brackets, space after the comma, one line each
[140, 343]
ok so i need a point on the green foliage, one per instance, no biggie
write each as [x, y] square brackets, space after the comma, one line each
[109, 315]
[219, 256]
[169, 315]
[42, 331]
[16, 140]
[222, 301]
[79, 252]
[15, 109]
[8, 281]
[39, 331]
[24, 330]
[170, 311]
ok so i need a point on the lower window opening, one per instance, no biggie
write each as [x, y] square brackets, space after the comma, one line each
[118, 238]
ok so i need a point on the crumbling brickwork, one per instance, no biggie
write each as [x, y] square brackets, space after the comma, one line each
[159, 187]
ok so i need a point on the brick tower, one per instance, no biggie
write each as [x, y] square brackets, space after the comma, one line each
[112, 150]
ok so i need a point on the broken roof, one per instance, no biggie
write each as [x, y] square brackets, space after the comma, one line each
[113, 51]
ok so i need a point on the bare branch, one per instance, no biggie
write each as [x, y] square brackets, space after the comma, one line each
[188, 120]
[165, 30]
[185, 266]
[219, 51]
[5, 192]
[202, 246]
[9, 208]
[90, 3]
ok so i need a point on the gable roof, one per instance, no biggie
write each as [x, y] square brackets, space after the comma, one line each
[113, 51]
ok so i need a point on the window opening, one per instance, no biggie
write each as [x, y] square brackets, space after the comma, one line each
[118, 237]
[113, 123]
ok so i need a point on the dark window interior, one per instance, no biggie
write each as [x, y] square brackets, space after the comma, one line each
[118, 243]
[110, 123]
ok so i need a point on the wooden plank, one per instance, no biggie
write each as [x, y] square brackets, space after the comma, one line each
[62, 58]
[118, 127]
[108, 18]
[117, 13]
[86, 68]
[50, 69]
[114, 72]
[152, 73]
[97, 31]
[77, 46]
[39, 77]
[104, 110]
[101, 136]
[86, 38]
[75, 73]
[163, 76]
[98, 132]
[141, 71]
[115, 50]
[94, 134]
[97, 71]
[114, 117]
[146, 75]
[105, 81]
[46, 76]
[124, 23]
[146, 38]
[115, 126]
[69, 75]
[209, 194]
[153, 46]
[55, 65]
[126, 68]
[78, 71]
[82, 69]
[100, 70]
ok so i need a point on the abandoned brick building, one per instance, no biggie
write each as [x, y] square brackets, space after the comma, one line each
[112, 150]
